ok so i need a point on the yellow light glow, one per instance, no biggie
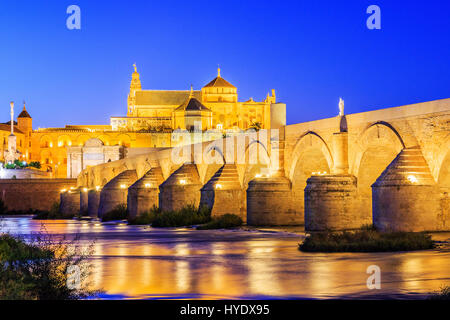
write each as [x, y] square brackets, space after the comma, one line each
[258, 175]
[97, 188]
[148, 185]
[85, 189]
[218, 186]
[412, 179]
[182, 181]
[71, 188]
[123, 186]
[63, 190]
[51, 144]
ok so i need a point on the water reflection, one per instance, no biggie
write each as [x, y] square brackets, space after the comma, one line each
[138, 262]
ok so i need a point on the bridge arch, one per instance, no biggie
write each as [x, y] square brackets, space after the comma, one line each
[375, 148]
[213, 160]
[254, 161]
[311, 154]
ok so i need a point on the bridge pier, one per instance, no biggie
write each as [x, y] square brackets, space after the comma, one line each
[406, 198]
[115, 192]
[223, 193]
[69, 202]
[269, 202]
[93, 202]
[144, 193]
[331, 203]
[182, 188]
[84, 201]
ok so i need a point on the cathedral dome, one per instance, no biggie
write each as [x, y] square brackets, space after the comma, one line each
[219, 82]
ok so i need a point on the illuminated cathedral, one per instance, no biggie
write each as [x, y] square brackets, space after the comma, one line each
[152, 116]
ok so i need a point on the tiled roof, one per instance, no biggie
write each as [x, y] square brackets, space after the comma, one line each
[7, 127]
[192, 105]
[219, 82]
[164, 97]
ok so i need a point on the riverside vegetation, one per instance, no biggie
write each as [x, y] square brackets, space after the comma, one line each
[366, 239]
[38, 269]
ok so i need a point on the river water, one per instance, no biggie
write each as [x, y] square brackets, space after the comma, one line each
[146, 263]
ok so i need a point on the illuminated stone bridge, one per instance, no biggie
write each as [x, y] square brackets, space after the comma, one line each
[389, 167]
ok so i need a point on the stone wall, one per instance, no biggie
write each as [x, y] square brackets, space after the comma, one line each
[39, 194]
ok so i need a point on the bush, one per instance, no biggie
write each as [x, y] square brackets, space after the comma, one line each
[186, 216]
[3, 208]
[120, 212]
[53, 214]
[35, 164]
[39, 270]
[366, 240]
[223, 222]
[443, 294]
[146, 217]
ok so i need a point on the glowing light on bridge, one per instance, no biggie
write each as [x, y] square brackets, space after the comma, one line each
[412, 179]
[182, 181]
[148, 185]
[123, 186]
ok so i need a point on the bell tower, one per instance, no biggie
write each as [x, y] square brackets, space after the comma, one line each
[134, 86]
[25, 124]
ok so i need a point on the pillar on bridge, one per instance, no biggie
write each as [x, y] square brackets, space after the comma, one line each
[331, 203]
[144, 193]
[223, 193]
[83, 200]
[406, 198]
[93, 201]
[115, 192]
[182, 188]
[69, 202]
[269, 202]
[269, 198]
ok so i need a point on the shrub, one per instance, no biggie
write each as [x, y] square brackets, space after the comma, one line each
[35, 164]
[3, 208]
[443, 294]
[120, 212]
[53, 214]
[146, 217]
[223, 222]
[366, 240]
[186, 216]
[39, 270]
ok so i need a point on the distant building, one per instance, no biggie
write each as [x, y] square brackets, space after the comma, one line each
[152, 116]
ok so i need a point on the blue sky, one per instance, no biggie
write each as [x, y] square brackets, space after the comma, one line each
[311, 52]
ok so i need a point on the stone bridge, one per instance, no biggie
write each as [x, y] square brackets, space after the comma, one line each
[390, 167]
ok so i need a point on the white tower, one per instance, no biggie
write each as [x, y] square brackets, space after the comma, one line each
[11, 154]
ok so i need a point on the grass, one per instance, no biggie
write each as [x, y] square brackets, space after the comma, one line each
[223, 222]
[145, 218]
[186, 216]
[443, 294]
[120, 212]
[39, 269]
[366, 240]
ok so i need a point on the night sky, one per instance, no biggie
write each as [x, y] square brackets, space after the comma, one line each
[311, 52]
